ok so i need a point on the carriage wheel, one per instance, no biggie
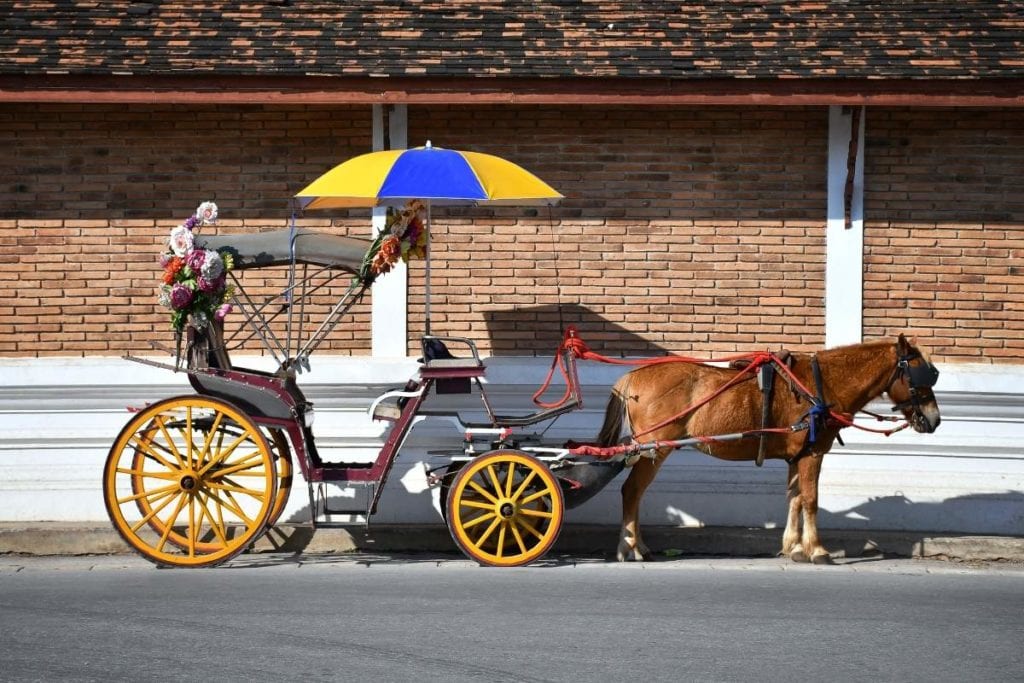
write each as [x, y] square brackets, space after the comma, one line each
[505, 509]
[281, 453]
[190, 481]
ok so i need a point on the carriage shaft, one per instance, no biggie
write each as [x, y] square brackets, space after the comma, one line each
[633, 448]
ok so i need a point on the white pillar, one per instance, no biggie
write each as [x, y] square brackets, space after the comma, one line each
[389, 325]
[844, 241]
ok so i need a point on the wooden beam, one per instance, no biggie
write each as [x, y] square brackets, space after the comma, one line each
[211, 89]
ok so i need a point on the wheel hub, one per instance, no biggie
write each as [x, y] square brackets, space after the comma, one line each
[507, 510]
[189, 482]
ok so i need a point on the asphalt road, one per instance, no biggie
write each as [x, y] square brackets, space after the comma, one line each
[433, 618]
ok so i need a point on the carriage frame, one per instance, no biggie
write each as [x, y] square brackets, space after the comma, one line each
[195, 480]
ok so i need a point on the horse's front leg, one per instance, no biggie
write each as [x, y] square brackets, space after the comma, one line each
[809, 469]
[631, 546]
[791, 536]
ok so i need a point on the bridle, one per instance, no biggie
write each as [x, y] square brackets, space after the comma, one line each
[924, 375]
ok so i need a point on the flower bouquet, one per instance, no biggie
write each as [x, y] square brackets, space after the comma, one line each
[404, 237]
[195, 285]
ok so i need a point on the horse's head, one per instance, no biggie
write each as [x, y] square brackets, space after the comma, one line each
[910, 387]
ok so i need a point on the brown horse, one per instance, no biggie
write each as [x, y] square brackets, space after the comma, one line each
[651, 399]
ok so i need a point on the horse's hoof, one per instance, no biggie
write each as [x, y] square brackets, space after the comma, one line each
[822, 558]
[798, 555]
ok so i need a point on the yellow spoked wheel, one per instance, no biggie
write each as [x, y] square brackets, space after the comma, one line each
[505, 509]
[190, 481]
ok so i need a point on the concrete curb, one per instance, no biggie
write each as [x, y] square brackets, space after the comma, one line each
[65, 538]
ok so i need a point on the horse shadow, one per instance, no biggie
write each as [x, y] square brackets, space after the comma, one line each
[527, 330]
[900, 526]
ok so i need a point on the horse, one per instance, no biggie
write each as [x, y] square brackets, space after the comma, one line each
[648, 401]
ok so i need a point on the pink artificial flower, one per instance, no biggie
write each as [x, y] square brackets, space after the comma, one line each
[195, 259]
[181, 297]
[222, 312]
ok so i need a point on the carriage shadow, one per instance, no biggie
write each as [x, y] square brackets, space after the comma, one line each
[390, 559]
[883, 528]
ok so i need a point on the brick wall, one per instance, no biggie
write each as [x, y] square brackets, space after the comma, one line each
[694, 230]
[683, 230]
[89, 194]
[944, 254]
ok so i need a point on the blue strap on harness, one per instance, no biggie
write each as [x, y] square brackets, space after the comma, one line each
[819, 410]
[815, 417]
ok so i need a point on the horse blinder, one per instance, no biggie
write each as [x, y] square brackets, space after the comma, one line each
[919, 377]
[923, 376]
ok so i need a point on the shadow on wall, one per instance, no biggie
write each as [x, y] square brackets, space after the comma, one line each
[982, 513]
[539, 330]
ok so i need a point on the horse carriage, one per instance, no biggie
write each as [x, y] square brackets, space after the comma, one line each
[196, 479]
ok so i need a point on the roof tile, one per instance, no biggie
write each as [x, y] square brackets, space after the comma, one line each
[677, 39]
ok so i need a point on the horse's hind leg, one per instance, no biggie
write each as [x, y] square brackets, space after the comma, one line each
[809, 468]
[631, 546]
[791, 536]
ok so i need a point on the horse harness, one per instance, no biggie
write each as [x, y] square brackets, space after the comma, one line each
[920, 376]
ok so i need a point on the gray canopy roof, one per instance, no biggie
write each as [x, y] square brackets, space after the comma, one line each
[261, 249]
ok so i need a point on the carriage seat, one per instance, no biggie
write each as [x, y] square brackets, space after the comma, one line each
[451, 374]
[437, 356]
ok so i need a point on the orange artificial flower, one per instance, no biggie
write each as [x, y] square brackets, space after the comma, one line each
[171, 271]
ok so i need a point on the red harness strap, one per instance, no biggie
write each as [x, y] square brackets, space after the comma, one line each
[579, 349]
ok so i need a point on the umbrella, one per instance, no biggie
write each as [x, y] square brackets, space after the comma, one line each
[434, 175]
[443, 177]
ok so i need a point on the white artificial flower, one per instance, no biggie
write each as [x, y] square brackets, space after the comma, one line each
[206, 214]
[181, 241]
[213, 265]
[163, 296]
[199, 320]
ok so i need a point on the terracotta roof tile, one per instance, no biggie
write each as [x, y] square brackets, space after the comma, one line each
[679, 39]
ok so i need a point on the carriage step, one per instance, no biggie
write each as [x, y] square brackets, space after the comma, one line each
[361, 512]
[391, 413]
[337, 525]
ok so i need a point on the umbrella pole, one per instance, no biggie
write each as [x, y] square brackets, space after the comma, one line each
[427, 276]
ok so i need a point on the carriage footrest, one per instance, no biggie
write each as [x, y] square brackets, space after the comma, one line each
[358, 512]
[390, 413]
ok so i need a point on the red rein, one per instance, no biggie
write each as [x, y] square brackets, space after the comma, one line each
[579, 349]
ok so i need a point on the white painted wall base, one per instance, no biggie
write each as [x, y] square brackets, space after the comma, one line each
[58, 417]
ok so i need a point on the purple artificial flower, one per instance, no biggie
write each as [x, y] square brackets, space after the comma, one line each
[222, 312]
[165, 258]
[181, 297]
[195, 259]
[191, 222]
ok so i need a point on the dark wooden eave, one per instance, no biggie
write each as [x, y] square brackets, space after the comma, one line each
[316, 90]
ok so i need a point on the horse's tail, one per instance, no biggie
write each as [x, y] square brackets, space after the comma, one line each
[614, 414]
